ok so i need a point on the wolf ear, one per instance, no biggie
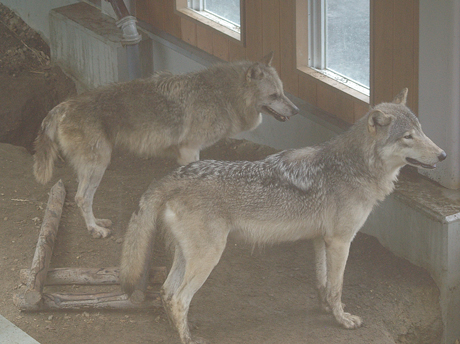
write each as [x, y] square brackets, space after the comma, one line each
[401, 97]
[378, 119]
[267, 59]
[254, 72]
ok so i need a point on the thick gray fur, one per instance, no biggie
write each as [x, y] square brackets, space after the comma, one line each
[324, 193]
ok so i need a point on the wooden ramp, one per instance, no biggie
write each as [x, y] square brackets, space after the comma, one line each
[39, 275]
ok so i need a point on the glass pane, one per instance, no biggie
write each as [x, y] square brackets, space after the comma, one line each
[227, 9]
[347, 39]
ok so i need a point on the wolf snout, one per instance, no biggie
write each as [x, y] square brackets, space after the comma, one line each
[291, 107]
[295, 110]
[442, 156]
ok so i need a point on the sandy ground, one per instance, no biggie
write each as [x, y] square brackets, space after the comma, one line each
[253, 296]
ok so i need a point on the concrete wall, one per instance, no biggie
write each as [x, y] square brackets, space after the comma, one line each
[88, 45]
[439, 84]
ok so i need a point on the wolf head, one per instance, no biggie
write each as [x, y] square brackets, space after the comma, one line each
[271, 99]
[399, 136]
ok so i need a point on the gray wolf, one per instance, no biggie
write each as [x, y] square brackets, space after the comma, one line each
[161, 115]
[324, 193]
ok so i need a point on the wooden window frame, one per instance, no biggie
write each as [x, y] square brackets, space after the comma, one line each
[182, 9]
[302, 52]
[281, 26]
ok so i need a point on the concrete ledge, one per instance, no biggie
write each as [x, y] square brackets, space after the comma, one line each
[420, 221]
[10, 334]
[88, 46]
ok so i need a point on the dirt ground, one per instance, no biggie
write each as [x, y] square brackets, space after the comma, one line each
[253, 296]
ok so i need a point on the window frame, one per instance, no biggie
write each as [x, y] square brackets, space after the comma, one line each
[305, 47]
[213, 21]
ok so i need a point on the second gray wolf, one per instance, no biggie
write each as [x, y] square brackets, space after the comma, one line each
[324, 193]
[163, 114]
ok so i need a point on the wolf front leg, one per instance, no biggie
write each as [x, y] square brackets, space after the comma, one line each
[321, 272]
[337, 254]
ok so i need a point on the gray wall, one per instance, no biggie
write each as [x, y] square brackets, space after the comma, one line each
[439, 84]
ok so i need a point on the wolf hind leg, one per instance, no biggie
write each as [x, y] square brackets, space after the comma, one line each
[173, 281]
[190, 269]
[87, 186]
[89, 177]
[337, 254]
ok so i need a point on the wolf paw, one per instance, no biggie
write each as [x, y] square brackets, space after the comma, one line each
[104, 222]
[350, 321]
[99, 232]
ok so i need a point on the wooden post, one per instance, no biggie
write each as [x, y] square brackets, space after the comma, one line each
[44, 249]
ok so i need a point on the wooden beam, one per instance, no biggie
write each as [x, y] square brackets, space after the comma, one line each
[91, 276]
[45, 244]
[109, 301]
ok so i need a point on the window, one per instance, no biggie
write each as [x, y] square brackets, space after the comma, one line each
[339, 41]
[222, 15]
[219, 10]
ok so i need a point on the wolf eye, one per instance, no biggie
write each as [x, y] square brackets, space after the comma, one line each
[273, 96]
[408, 137]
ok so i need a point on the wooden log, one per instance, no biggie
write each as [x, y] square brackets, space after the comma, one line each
[91, 276]
[44, 249]
[109, 301]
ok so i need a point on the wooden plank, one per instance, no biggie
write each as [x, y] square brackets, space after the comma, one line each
[108, 301]
[271, 30]
[326, 98]
[344, 108]
[236, 51]
[254, 48]
[404, 58]
[188, 31]
[307, 88]
[334, 102]
[288, 71]
[360, 108]
[220, 46]
[90, 276]
[204, 38]
[152, 12]
[45, 244]
[172, 21]
[382, 47]
[415, 71]
[301, 33]
[142, 9]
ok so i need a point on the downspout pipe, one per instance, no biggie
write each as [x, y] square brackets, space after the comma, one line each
[131, 37]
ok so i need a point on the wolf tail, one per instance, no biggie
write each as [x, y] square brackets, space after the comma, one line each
[46, 149]
[138, 243]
